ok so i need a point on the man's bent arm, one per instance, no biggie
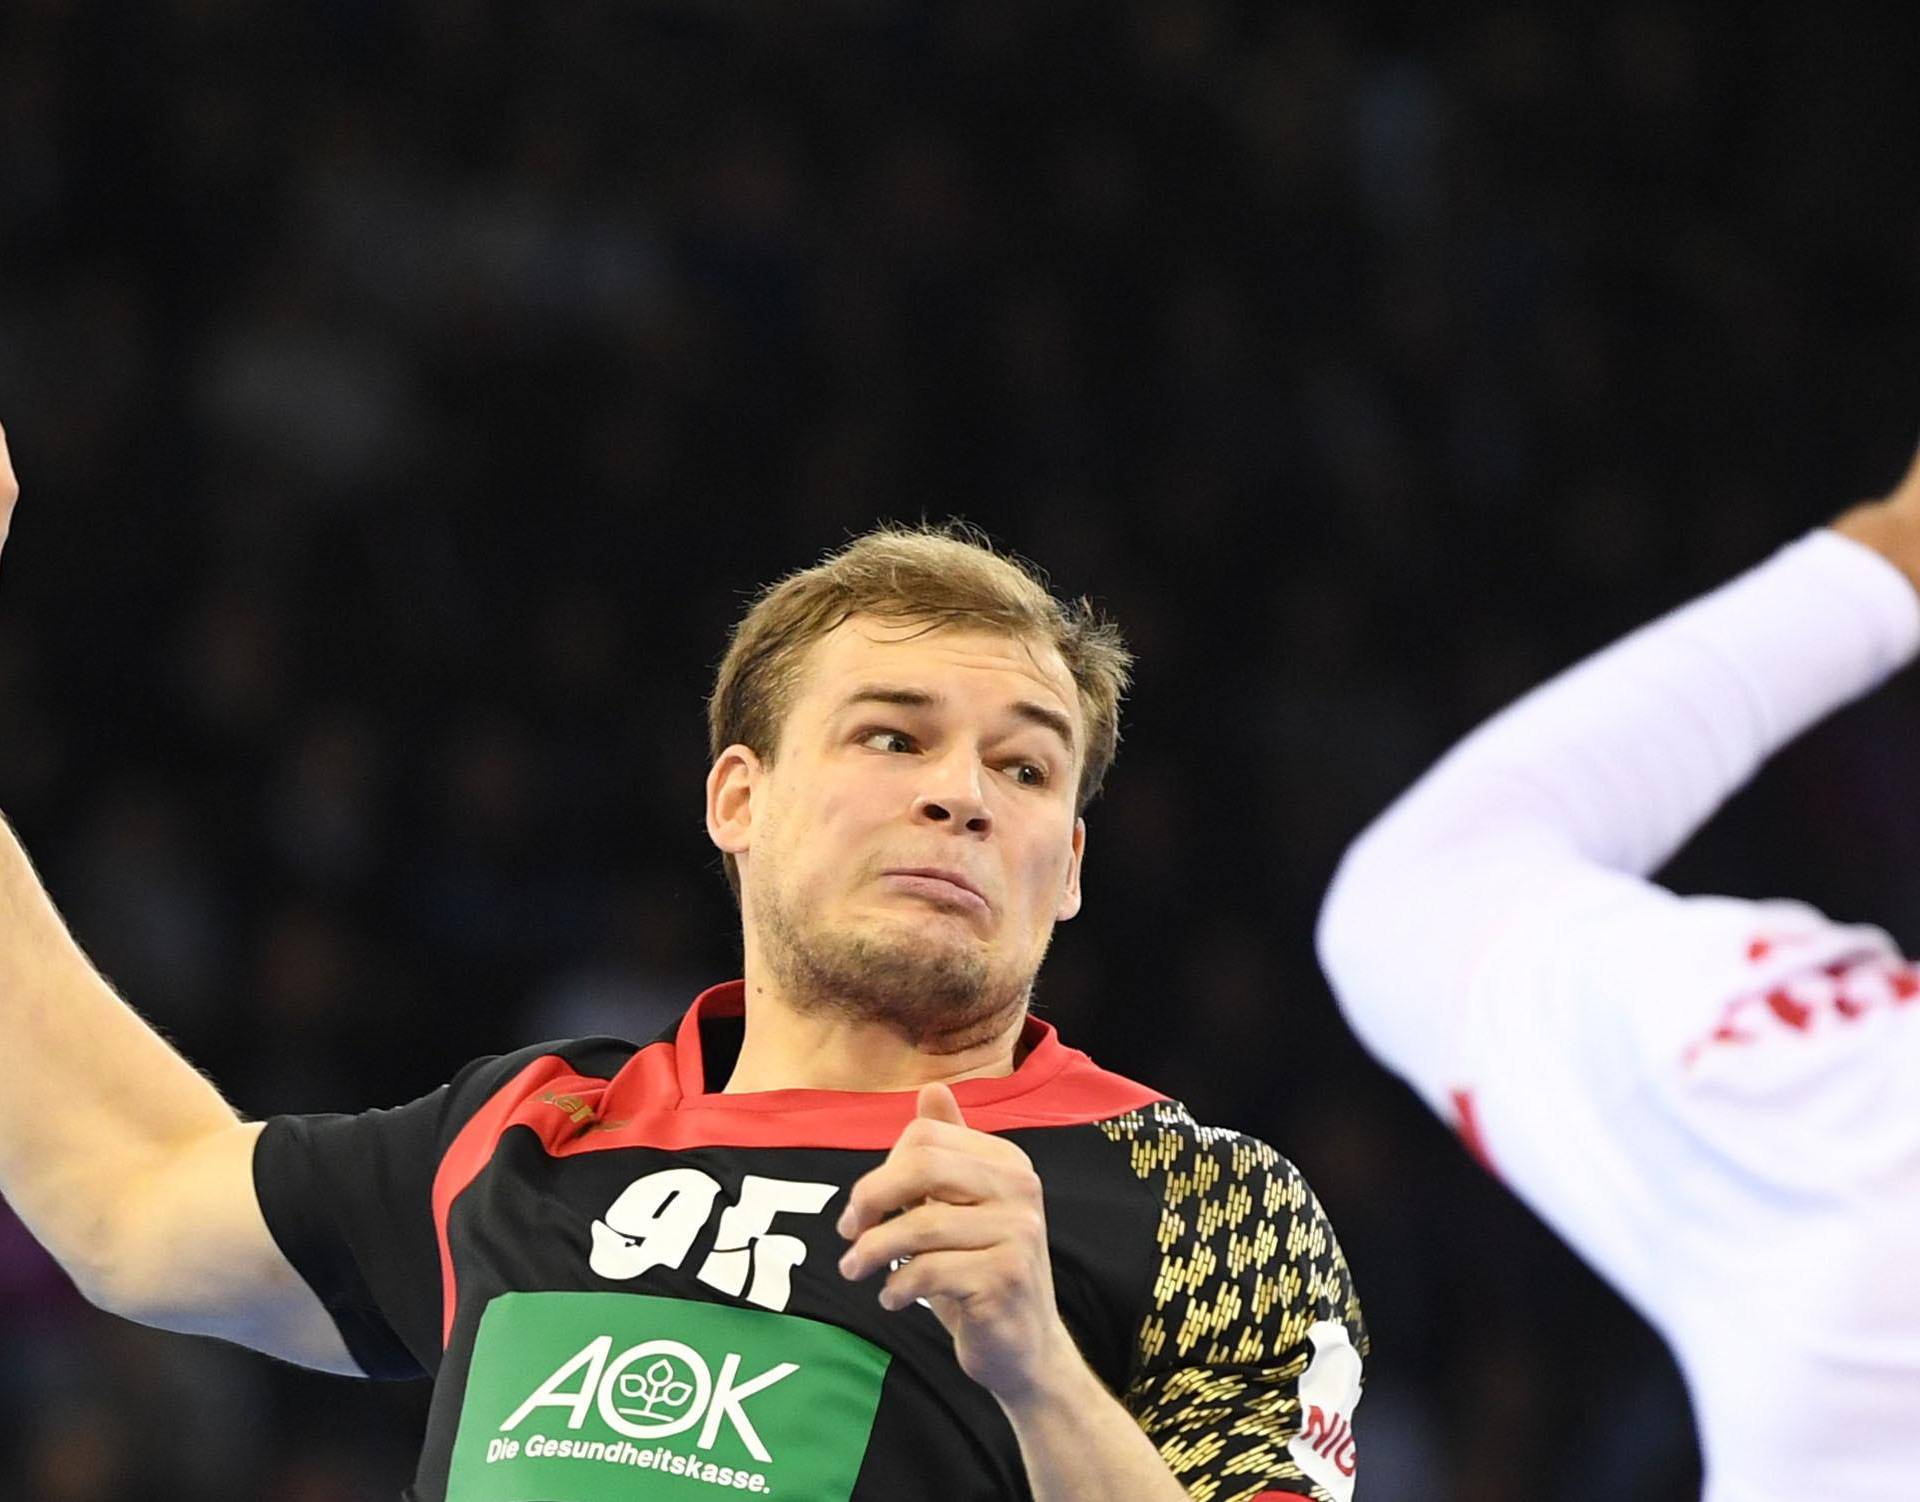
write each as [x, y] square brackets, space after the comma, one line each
[1608, 768]
[122, 1160]
[125, 1163]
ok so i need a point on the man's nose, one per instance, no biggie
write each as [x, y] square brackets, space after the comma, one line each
[953, 795]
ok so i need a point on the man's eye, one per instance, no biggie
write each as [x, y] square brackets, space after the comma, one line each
[1029, 774]
[887, 740]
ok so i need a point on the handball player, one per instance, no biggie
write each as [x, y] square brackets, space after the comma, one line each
[1712, 1100]
[857, 1229]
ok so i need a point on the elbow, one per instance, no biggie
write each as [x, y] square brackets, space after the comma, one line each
[109, 1253]
[1353, 942]
[106, 1278]
[1423, 865]
[128, 1295]
[1411, 906]
[1355, 922]
[85, 1240]
[103, 1286]
[1336, 929]
[1390, 920]
[1361, 899]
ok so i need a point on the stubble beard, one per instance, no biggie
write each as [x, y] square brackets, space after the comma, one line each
[941, 997]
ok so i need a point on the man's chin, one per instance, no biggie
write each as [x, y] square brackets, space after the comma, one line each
[937, 943]
[928, 974]
[931, 922]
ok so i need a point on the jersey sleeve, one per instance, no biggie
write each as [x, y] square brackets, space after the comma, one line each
[1567, 800]
[348, 1199]
[1247, 1364]
[1631, 1061]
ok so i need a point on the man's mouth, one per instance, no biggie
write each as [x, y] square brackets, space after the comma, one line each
[938, 885]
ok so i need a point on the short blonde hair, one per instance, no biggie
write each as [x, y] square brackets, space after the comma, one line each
[949, 575]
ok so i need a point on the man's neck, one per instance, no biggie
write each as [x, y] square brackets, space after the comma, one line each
[786, 1048]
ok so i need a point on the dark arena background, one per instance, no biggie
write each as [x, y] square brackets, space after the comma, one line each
[406, 396]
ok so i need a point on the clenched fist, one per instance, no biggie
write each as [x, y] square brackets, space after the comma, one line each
[956, 1216]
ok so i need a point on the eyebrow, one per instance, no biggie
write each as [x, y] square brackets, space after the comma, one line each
[919, 698]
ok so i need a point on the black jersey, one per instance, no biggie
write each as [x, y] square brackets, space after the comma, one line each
[624, 1283]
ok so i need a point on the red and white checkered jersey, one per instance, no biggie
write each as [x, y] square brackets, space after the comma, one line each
[1715, 1101]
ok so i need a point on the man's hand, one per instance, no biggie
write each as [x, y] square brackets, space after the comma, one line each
[1891, 526]
[974, 1225]
[971, 1218]
[9, 488]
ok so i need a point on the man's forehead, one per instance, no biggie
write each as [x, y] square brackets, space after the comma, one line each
[863, 645]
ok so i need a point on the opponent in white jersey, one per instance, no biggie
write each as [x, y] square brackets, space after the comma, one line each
[1715, 1101]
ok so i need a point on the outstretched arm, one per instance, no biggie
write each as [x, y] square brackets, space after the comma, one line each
[117, 1154]
[1596, 778]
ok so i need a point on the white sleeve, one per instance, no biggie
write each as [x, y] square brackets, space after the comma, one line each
[1492, 936]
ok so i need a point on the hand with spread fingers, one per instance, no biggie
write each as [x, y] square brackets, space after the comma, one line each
[970, 1238]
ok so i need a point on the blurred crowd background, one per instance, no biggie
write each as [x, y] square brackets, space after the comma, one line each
[409, 393]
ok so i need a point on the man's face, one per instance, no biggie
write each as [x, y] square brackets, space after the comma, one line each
[907, 852]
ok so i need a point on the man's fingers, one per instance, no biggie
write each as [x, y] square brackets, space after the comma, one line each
[934, 1226]
[937, 1103]
[932, 1131]
[966, 1277]
[921, 1173]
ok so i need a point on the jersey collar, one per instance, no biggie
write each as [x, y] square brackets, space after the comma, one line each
[1045, 1057]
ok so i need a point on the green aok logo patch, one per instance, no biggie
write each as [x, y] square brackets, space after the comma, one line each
[569, 1395]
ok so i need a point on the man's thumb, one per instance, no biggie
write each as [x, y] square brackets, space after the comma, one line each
[936, 1103]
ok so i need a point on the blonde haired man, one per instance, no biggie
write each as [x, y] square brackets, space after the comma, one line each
[1712, 1100]
[858, 1228]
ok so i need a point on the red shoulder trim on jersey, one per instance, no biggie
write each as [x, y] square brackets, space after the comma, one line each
[473, 1147]
[659, 1099]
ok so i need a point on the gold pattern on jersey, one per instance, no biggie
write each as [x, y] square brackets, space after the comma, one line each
[1248, 1262]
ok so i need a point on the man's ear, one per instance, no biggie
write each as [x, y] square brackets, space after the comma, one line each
[1070, 893]
[730, 784]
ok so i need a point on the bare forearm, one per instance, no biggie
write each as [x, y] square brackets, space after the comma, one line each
[1890, 529]
[1080, 1445]
[94, 1098]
